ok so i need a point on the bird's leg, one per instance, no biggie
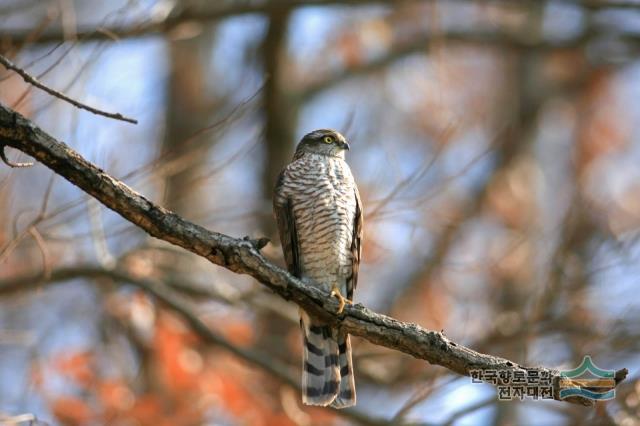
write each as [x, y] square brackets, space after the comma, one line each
[335, 292]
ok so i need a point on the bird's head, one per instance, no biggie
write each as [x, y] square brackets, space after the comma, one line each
[324, 142]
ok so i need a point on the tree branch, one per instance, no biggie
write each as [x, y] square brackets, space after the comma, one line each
[242, 256]
[34, 82]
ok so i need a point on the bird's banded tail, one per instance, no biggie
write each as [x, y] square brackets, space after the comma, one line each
[327, 372]
[347, 391]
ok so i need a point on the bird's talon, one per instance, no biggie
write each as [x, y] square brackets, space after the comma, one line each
[335, 292]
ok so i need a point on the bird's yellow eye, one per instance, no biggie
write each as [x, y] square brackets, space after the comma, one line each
[328, 139]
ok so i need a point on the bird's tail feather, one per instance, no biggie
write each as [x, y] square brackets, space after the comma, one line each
[320, 364]
[347, 390]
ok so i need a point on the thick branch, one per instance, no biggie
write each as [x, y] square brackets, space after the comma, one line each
[242, 256]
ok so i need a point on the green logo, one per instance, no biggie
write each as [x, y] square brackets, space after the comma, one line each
[598, 384]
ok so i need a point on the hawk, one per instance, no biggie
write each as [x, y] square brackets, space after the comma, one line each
[319, 215]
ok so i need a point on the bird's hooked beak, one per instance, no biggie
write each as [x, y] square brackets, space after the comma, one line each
[345, 146]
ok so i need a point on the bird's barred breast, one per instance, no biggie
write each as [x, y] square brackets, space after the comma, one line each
[321, 189]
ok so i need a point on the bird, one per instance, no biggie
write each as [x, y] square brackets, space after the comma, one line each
[319, 215]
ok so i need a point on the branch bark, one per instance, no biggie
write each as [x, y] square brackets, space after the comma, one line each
[243, 256]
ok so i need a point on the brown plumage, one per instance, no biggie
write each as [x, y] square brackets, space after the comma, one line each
[319, 214]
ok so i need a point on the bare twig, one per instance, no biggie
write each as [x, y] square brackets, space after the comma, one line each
[34, 81]
[242, 256]
[35, 61]
[51, 66]
[31, 229]
[5, 160]
[42, 245]
[417, 398]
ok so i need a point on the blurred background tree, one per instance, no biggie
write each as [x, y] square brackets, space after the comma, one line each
[495, 147]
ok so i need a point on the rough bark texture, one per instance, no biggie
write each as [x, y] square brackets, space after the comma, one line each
[243, 256]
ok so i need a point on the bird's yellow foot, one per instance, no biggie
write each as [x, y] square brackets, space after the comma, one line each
[335, 292]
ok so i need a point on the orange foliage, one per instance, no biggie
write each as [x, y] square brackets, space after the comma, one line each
[146, 409]
[184, 384]
[240, 333]
[71, 411]
[79, 367]
[179, 366]
[115, 396]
